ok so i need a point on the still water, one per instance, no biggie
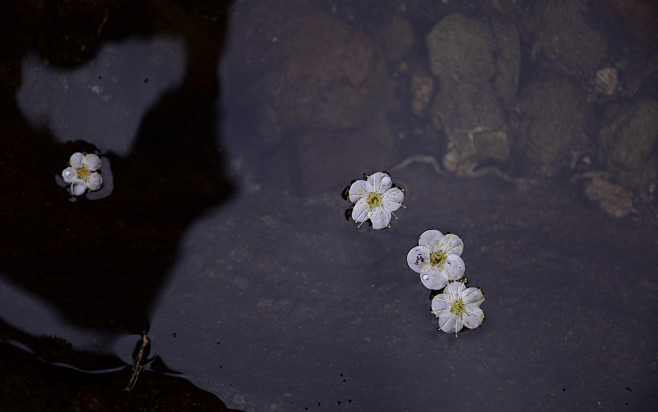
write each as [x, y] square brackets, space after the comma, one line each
[225, 237]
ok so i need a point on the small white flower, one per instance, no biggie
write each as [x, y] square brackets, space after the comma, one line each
[457, 307]
[437, 259]
[82, 173]
[375, 199]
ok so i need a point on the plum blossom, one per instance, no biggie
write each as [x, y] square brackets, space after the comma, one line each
[457, 307]
[437, 258]
[82, 173]
[375, 199]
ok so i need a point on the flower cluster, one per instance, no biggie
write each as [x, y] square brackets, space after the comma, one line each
[82, 173]
[437, 258]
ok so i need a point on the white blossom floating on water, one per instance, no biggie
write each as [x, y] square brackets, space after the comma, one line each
[457, 307]
[375, 199]
[437, 258]
[82, 175]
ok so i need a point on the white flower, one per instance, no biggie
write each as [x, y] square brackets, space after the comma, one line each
[457, 307]
[82, 173]
[375, 199]
[437, 259]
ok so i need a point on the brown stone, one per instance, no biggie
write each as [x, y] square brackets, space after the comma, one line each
[612, 198]
[398, 36]
[317, 71]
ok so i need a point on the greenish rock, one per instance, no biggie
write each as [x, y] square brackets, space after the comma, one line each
[477, 64]
[566, 41]
[552, 117]
[627, 144]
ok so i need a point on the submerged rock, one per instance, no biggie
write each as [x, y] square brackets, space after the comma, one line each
[314, 71]
[477, 63]
[566, 41]
[552, 116]
[422, 88]
[611, 198]
[627, 144]
[398, 36]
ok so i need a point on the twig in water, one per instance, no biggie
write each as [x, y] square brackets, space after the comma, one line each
[137, 368]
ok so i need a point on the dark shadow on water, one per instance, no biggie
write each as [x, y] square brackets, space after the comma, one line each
[101, 263]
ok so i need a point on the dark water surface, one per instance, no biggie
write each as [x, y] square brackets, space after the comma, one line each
[233, 128]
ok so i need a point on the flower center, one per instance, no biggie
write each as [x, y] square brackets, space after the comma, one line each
[374, 200]
[83, 172]
[457, 307]
[437, 258]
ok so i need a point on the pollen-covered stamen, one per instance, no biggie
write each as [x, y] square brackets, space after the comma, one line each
[374, 200]
[83, 172]
[437, 258]
[457, 307]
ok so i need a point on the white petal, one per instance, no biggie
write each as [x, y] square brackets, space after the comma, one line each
[360, 211]
[454, 290]
[473, 319]
[452, 244]
[108, 182]
[428, 269]
[453, 267]
[376, 180]
[92, 161]
[417, 257]
[439, 304]
[76, 159]
[386, 182]
[433, 281]
[69, 175]
[459, 324]
[447, 322]
[430, 238]
[473, 296]
[358, 190]
[78, 187]
[94, 181]
[393, 199]
[380, 217]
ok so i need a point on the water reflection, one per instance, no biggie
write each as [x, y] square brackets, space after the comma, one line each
[103, 101]
[148, 105]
